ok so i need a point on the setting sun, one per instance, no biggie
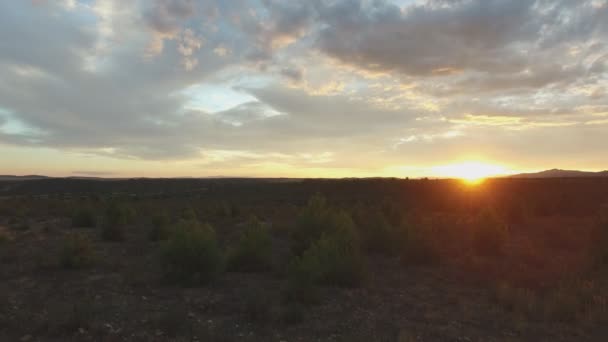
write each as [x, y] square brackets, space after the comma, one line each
[471, 172]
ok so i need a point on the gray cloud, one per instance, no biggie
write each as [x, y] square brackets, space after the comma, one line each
[94, 85]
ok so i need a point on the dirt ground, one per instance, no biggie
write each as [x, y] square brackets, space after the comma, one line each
[122, 297]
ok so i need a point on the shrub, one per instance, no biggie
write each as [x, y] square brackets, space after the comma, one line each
[316, 219]
[192, 254]
[489, 234]
[378, 235]
[83, 217]
[415, 245]
[189, 214]
[254, 251]
[77, 251]
[334, 259]
[160, 229]
[115, 218]
[228, 210]
[118, 214]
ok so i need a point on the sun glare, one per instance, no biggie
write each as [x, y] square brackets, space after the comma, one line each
[470, 172]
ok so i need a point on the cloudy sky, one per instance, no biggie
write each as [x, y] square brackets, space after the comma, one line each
[311, 88]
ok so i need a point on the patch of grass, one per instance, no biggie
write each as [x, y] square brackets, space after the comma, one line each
[83, 217]
[21, 226]
[76, 252]
[600, 238]
[517, 300]
[111, 232]
[115, 218]
[567, 302]
[192, 255]
[254, 250]
[4, 237]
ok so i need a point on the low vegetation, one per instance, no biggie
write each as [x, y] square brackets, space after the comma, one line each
[192, 254]
[160, 229]
[253, 252]
[116, 217]
[76, 252]
[316, 219]
[416, 245]
[4, 237]
[378, 235]
[489, 233]
[369, 252]
[84, 217]
[600, 236]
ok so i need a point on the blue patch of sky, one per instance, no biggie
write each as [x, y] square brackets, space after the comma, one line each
[9, 124]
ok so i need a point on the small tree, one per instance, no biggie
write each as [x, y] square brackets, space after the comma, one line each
[377, 234]
[416, 245]
[316, 219]
[334, 259]
[254, 251]
[192, 254]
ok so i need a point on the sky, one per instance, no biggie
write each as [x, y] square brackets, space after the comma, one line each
[315, 88]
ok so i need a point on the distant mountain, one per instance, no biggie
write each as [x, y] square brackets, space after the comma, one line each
[558, 173]
[16, 178]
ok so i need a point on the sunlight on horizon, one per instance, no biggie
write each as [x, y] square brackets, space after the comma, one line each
[472, 172]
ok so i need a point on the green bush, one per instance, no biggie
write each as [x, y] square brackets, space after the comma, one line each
[377, 234]
[118, 214]
[83, 217]
[416, 245]
[76, 252]
[254, 251]
[160, 229]
[334, 259]
[189, 214]
[316, 219]
[489, 234]
[192, 254]
[115, 218]
[226, 209]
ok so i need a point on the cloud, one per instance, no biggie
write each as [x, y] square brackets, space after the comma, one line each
[340, 83]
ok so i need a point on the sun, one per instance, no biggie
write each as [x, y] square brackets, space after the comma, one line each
[471, 172]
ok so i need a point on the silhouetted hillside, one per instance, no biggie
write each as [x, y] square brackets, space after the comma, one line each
[558, 173]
